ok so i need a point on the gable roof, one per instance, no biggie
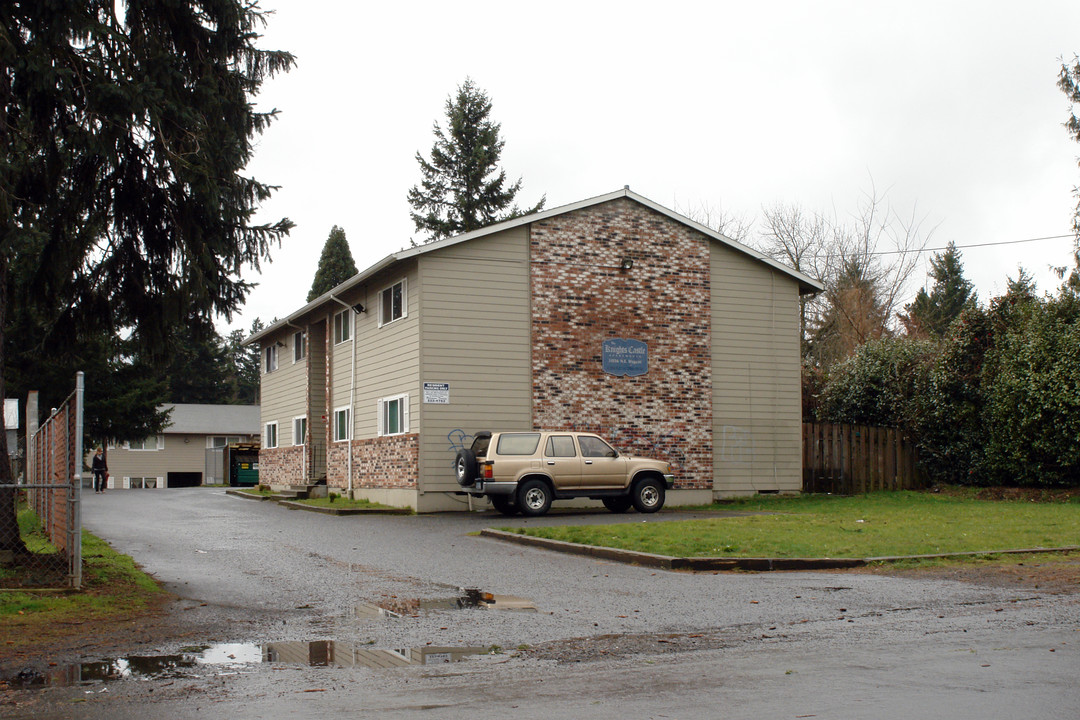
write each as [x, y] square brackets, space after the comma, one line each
[807, 285]
[213, 419]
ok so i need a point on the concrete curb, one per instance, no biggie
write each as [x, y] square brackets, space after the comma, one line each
[706, 564]
[292, 505]
[344, 511]
[248, 496]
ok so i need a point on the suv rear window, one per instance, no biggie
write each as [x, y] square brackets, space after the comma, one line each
[518, 444]
[480, 444]
[560, 446]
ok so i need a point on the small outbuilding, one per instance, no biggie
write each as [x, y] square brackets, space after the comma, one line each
[188, 452]
[614, 315]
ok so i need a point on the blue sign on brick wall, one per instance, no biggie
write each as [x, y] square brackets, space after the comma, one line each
[625, 357]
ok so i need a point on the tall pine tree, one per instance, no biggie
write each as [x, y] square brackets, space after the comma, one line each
[124, 130]
[336, 264]
[462, 186]
[1069, 82]
[932, 313]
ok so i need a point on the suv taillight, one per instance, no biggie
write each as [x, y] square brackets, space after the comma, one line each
[487, 470]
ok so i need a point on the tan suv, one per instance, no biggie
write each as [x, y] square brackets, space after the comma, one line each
[524, 471]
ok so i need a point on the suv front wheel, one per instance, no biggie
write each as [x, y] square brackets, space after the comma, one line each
[648, 495]
[534, 497]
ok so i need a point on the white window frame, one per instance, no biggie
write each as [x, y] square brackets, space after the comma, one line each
[343, 329]
[270, 359]
[269, 442]
[298, 437]
[299, 346]
[229, 440]
[348, 423]
[403, 415]
[159, 444]
[404, 302]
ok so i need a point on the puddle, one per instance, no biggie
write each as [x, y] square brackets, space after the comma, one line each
[228, 658]
[470, 598]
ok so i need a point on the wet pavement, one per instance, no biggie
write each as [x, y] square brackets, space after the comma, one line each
[413, 615]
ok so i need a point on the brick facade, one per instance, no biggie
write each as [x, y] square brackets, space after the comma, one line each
[281, 465]
[382, 462]
[581, 297]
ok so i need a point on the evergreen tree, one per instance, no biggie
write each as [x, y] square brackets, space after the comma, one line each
[1069, 82]
[125, 127]
[932, 313]
[198, 369]
[462, 187]
[336, 264]
[243, 366]
[853, 314]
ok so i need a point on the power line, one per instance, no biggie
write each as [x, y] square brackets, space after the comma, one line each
[975, 245]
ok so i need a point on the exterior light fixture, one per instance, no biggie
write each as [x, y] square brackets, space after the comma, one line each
[358, 308]
[627, 263]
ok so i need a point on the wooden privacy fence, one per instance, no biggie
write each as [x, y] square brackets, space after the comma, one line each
[849, 459]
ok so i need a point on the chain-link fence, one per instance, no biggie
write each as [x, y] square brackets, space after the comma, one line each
[43, 509]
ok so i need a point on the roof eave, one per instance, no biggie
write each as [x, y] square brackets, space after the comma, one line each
[807, 285]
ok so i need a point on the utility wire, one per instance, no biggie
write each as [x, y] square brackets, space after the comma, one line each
[974, 245]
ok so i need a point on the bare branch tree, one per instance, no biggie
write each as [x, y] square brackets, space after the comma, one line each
[865, 263]
[728, 224]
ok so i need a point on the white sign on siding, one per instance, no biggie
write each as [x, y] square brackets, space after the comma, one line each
[437, 393]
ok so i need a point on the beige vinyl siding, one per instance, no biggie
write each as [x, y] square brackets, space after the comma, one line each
[340, 358]
[318, 416]
[388, 357]
[476, 336]
[756, 385]
[176, 456]
[284, 394]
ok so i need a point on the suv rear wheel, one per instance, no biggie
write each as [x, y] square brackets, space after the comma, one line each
[617, 504]
[534, 497]
[648, 495]
[504, 504]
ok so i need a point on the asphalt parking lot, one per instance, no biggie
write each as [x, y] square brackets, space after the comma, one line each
[583, 638]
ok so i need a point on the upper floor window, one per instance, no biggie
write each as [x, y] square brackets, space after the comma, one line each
[342, 326]
[299, 346]
[271, 435]
[299, 430]
[154, 442]
[270, 355]
[392, 305]
[220, 441]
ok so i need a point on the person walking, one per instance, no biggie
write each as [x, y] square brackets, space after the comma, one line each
[100, 470]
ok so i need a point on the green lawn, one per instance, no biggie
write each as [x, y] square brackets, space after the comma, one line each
[113, 589]
[341, 503]
[874, 525]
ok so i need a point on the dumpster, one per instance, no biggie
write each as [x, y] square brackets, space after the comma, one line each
[242, 459]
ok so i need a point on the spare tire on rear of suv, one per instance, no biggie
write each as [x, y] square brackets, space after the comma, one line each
[465, 468]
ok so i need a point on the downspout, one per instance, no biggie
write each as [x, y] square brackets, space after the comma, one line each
[307, 405]
[352, 390]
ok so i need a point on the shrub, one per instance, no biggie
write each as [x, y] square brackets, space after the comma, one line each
[1032, 386]
[875, 385]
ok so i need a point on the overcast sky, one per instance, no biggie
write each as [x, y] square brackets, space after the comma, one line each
[951, 108]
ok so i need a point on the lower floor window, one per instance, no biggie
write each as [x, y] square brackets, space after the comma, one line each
[394, 415]
[271, 435]
[342, 424]
[143, 482]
